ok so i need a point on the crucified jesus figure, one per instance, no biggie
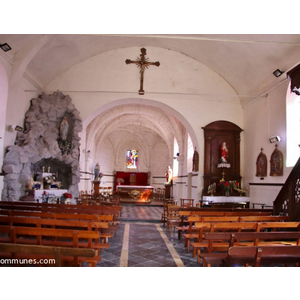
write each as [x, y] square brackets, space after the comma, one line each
[142, 63]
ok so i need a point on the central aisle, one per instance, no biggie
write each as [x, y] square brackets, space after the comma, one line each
[142, 241]
[148, 247]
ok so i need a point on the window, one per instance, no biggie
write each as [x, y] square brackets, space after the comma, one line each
[175, 155]
[132, 159]
[190, 153]
[292, 128]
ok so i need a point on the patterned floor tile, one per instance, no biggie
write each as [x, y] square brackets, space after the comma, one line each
[146, 247]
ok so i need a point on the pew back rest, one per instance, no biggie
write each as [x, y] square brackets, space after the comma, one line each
[32, 235]
[81, 216]
[40, 222]
[221, 219]
[241, 212]
[238, 226]
[264, 218]
[256, 255]
[254, 237]
[278, 225]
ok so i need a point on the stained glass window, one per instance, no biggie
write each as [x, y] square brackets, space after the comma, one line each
[132, 159]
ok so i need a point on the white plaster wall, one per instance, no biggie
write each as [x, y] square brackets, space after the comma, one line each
[17, 106]
[4, 74]
[263, 194]
[264, 118]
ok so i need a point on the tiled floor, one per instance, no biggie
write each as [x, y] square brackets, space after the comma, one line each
[142, 241]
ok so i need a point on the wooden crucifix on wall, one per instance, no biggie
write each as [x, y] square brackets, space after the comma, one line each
[142, 63]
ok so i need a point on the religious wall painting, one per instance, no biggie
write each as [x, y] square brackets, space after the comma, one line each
[132, 159]
[261, 164]
[276, 162]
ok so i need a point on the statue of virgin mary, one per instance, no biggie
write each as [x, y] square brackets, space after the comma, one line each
[64, 129]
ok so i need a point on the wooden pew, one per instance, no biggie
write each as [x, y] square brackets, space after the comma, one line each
[53, 205]
[190, 235]
[59, 224]
[258, 255]
[245, 239]
[50, 207]
[219, 226]
[193, 233]
[54, 237]
[194, 211]
[264, 218]
[112, 228]
[58, 208]
[223, 246]
[185, 213]
[114, 210]
[37, 253]
[56, 215]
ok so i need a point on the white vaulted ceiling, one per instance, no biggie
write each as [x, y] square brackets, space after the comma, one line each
[246, 62]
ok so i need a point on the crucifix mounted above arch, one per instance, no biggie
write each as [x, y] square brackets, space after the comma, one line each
[143, 63]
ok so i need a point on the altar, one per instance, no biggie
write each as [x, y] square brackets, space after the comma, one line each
[55, 193]
[135, 193]
[231, 201]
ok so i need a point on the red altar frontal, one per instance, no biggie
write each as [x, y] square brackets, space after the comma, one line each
[135, 193]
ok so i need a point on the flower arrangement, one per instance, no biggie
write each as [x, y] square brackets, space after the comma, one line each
[48, 180]
[228, 186]
[64, 146]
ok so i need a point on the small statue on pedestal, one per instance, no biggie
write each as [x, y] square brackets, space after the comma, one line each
[96, 172]
[169, 176]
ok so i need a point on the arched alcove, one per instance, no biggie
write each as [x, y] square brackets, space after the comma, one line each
[142, 124]
[215, 134]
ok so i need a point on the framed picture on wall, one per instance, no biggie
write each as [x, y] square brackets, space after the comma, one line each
[261, 164]
[276, 162]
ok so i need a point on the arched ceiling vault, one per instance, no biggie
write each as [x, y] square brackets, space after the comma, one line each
[245, 61]
[137, 119]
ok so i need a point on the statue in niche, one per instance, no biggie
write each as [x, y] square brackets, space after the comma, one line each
[64, 145]
[169, 176]
[195, 161]
[64, 129]
[224, 153]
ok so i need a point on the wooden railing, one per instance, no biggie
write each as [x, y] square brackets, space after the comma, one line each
[287, 201]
